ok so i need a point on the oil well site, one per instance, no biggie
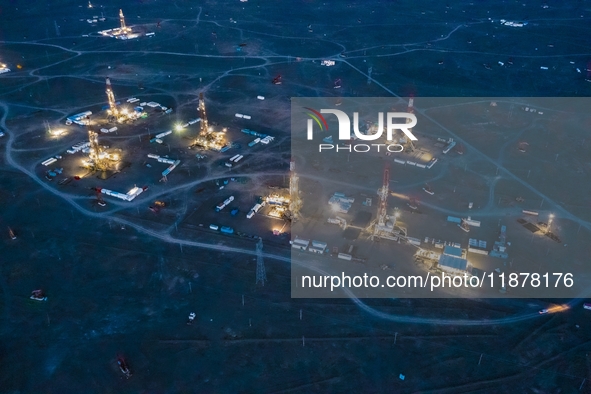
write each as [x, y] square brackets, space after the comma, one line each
[170, 172]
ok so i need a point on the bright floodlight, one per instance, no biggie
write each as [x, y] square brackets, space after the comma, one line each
[178, 127]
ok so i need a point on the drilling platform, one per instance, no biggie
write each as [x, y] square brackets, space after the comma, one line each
[383, 226]
[295, 202]
[208, 138]
[113, 110]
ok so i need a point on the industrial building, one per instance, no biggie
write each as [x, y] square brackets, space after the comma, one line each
[129, 196]
[81, 119]
[317, 247]
[341, 203]
[300, 244]
[453, 260]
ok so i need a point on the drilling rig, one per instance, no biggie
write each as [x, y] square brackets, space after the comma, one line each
[203, 115]
[207, 138]
[98, 158]
[124, 28]
[410, 109]
[295, 203]
[114, 111]
[383, 225]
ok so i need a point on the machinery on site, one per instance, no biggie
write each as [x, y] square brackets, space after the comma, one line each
[208, 138]
[383, 226]
[295, 202]
[113, 110]
[464, 225]
[522, 147]
[123, 32]
[158, 205]
[191, 318]
[97, 158]
[116, 114]
[123, 367]
[413, 204]
[98, 191]
[122, 24]
[202, 114]
[406, 142]
[38, 295]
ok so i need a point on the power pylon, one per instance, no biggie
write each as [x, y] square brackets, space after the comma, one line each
[261, 273]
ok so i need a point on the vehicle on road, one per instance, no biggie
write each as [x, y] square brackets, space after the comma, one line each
[191, 318]
[38, 295]
[123, 367]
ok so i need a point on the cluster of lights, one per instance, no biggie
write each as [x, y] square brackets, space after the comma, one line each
[125, 114]
[277, 211]
[57, 132]
[211, 139]
[279, 205]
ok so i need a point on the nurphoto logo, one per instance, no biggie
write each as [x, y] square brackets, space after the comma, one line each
[392, 123]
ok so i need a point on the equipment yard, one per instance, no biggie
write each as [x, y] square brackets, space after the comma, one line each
[160, 202]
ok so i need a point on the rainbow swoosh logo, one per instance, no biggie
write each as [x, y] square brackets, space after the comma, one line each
[318, 118]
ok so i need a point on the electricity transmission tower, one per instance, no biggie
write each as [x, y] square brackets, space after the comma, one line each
[261, 273]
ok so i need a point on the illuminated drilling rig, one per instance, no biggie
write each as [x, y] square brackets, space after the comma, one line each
[98, 158]
[123, 32]
[295, 203]
[208, 138]
[116, 114]
[114, 111]
[124, 28]
[202, 114]
[407, 141]
[383, 225]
